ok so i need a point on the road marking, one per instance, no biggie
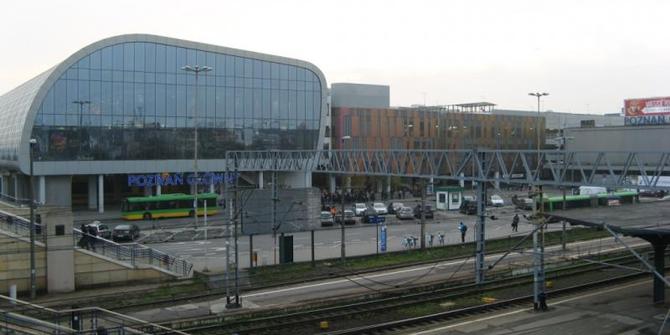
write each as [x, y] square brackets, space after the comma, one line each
[465, 323]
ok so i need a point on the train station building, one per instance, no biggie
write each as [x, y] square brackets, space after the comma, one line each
[126, 106]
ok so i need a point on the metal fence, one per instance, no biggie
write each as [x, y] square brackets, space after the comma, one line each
[132, 253]
[21, 316]
[21, 226]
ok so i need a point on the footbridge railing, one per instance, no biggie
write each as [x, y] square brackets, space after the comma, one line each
[133, 254]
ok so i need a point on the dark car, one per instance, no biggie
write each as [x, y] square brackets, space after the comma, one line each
[429, 212]
[370, 215]
[125, 232]
[468, 207]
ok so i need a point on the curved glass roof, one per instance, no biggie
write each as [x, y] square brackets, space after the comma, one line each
[126, 99]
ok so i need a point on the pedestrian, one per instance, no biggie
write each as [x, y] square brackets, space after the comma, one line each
[83, 241]
[440, 237]
[429, 237]
[542, 299]
[463, 229]
[92, 237]
[515, 222]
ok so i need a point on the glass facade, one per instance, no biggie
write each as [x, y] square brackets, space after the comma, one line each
[132, 101]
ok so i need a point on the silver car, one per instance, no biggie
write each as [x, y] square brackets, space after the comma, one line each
[405, 213]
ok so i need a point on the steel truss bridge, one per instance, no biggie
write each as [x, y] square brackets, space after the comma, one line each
[611, 169]
[614, 169]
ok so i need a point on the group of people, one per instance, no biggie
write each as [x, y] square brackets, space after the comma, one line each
[88, 237]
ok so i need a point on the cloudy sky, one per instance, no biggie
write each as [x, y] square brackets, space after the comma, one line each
[589, 55]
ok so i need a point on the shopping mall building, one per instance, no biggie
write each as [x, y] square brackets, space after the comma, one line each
[123, 109]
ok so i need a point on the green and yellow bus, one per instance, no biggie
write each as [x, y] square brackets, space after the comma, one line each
[167, 206]
[579, 201]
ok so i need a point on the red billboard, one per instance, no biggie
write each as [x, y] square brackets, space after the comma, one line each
[647, 106]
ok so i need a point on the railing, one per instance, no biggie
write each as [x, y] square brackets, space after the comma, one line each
[18, 314]
[20, 226]
[132, 253]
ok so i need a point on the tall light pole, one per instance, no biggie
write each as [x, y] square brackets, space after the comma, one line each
[343, 254]
[196, 69]
[81, 104]
[33, 274]
[538, 237]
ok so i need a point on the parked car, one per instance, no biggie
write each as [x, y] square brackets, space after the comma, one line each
[349, 217]
[125, 232]
[468, 207]
[394, 207]
[496, 201]
[359, 208]
[100, 229]
[326, 219]
[429, 212]
[405, 213]
[523, 202]
[380, 208]
[652, 193]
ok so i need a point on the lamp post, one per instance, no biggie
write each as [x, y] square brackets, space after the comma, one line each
[538, 237]
[343, 254]
[196, 69]
[33, 274]
[81, 104]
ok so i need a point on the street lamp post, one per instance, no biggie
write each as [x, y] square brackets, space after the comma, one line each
[81, 104]
[538, 236]
[33, 274]
[196, 69]
[343, 254]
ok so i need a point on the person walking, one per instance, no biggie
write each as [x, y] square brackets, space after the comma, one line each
[463, 229]
[92, 239]
[83, 242]
[515, 222]
[440, 238]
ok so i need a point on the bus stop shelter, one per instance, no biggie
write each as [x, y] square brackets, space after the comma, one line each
[649, 221]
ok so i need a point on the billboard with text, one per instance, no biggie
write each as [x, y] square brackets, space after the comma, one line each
[647, 107]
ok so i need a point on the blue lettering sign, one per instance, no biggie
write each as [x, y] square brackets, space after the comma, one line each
[207, 178]
[645, 120]
[382, 239]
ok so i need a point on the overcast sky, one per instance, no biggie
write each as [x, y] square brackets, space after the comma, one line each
[589, 55]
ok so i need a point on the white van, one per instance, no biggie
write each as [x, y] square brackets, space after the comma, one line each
[591, 190]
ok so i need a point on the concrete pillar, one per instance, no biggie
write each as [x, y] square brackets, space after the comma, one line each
[3, 185]
[332, 183]
[101, 194]
[388, 186]
[431, 186]
[380, 188]
[211, 188]
[260, 180]
[15, 179]
[461, 182]
[42, 190]
[347, 183]
[496, 183]
[659, 264]
[60, 254]
[159, 189]
[92, 192]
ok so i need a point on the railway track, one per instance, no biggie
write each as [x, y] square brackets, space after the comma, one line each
[398, 326]
[289, 321]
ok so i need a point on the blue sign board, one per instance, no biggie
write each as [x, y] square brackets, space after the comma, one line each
[168, 179]
[377, 219]
[382, 239]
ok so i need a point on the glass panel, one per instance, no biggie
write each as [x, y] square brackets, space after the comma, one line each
[128, 58]
[139, 56]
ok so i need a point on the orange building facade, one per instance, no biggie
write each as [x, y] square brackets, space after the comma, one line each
[430, 128]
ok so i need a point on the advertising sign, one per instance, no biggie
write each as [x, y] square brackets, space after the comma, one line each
[647, 106]
[648, 111]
